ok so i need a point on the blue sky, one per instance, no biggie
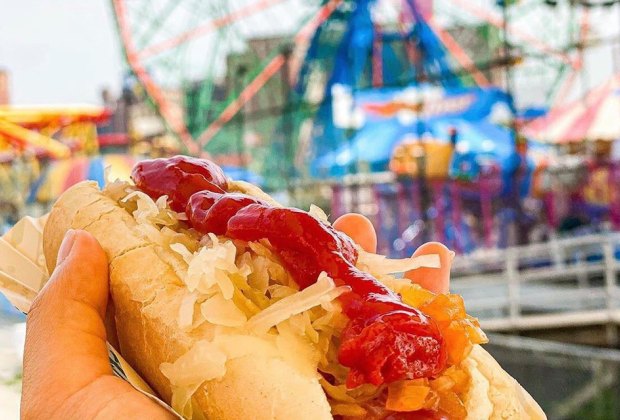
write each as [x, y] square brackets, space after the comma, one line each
[59, 51]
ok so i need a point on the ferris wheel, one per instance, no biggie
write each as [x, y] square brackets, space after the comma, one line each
[201, 62]
[220, 72]
[546, 42]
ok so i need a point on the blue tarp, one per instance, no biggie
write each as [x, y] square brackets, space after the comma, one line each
[482, 141]
[532, 113]
[374, 143]
[479, 143]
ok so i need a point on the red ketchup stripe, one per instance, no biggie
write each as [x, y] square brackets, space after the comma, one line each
[385, 340]
[178, 177]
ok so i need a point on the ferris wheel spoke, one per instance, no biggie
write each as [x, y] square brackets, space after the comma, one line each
[459, 54]
[205, 98]
[208, 27]
[246, 94]
[265, 74]
[524, 36]
[140, 15]
[157, 22]
[166, 109]
[563, 91]
[561, 86]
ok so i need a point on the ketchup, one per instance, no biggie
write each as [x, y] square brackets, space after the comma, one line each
[178, 177]
[385, 340]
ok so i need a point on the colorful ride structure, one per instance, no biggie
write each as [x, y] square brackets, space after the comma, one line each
[220, 73]
[391, 92]
[587, 129]
[407, 108]
[31, 137]
[39, 129]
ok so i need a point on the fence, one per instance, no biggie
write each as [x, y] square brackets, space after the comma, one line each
[493, 211]
[561, 283]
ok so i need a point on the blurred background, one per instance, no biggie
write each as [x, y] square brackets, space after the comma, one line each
[489, 125]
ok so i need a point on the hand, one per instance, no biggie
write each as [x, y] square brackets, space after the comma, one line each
[437, 280]
[66, 370]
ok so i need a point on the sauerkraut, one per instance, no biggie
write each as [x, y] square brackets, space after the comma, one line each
[324, 290]
[244, 290]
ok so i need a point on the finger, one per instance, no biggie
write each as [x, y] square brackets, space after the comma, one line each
[358, 228]
[65, 333]
[436, 280]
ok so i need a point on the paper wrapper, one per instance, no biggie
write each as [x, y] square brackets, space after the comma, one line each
[23, 274]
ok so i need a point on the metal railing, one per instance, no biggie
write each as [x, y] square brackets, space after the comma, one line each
[568, 381]
[560, 283]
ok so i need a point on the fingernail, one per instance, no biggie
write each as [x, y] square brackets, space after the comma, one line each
[66, 246]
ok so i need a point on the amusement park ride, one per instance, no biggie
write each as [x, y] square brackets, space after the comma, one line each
[307, 91]
[379, 101]
[246, 66]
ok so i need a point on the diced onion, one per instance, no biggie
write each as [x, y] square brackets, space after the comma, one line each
[394, 284]
[348, 410]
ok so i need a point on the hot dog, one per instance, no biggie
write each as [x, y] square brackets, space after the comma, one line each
[232, 306]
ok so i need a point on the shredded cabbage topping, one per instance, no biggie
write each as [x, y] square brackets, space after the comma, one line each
[318, 213]
[243, 289]
[323, 291]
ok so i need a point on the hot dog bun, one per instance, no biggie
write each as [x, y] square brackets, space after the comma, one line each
[262, 384]
[146, 294]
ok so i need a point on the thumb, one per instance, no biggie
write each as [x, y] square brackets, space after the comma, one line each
[65, 333]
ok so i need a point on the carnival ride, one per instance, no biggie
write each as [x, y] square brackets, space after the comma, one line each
[588, 125]
[35, 129]
[327, 89]
[219, 72]
[31, 137]
[306, 90]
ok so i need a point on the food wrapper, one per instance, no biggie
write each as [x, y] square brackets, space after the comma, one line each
[23, 274]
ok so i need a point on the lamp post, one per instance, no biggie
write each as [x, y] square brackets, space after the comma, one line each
[286, 51]
[241, 72]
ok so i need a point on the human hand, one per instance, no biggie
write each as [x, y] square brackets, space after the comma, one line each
[67, 374]
[437, 280]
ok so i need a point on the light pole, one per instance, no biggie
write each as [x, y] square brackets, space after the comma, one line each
[241, 72]
[287, 121]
